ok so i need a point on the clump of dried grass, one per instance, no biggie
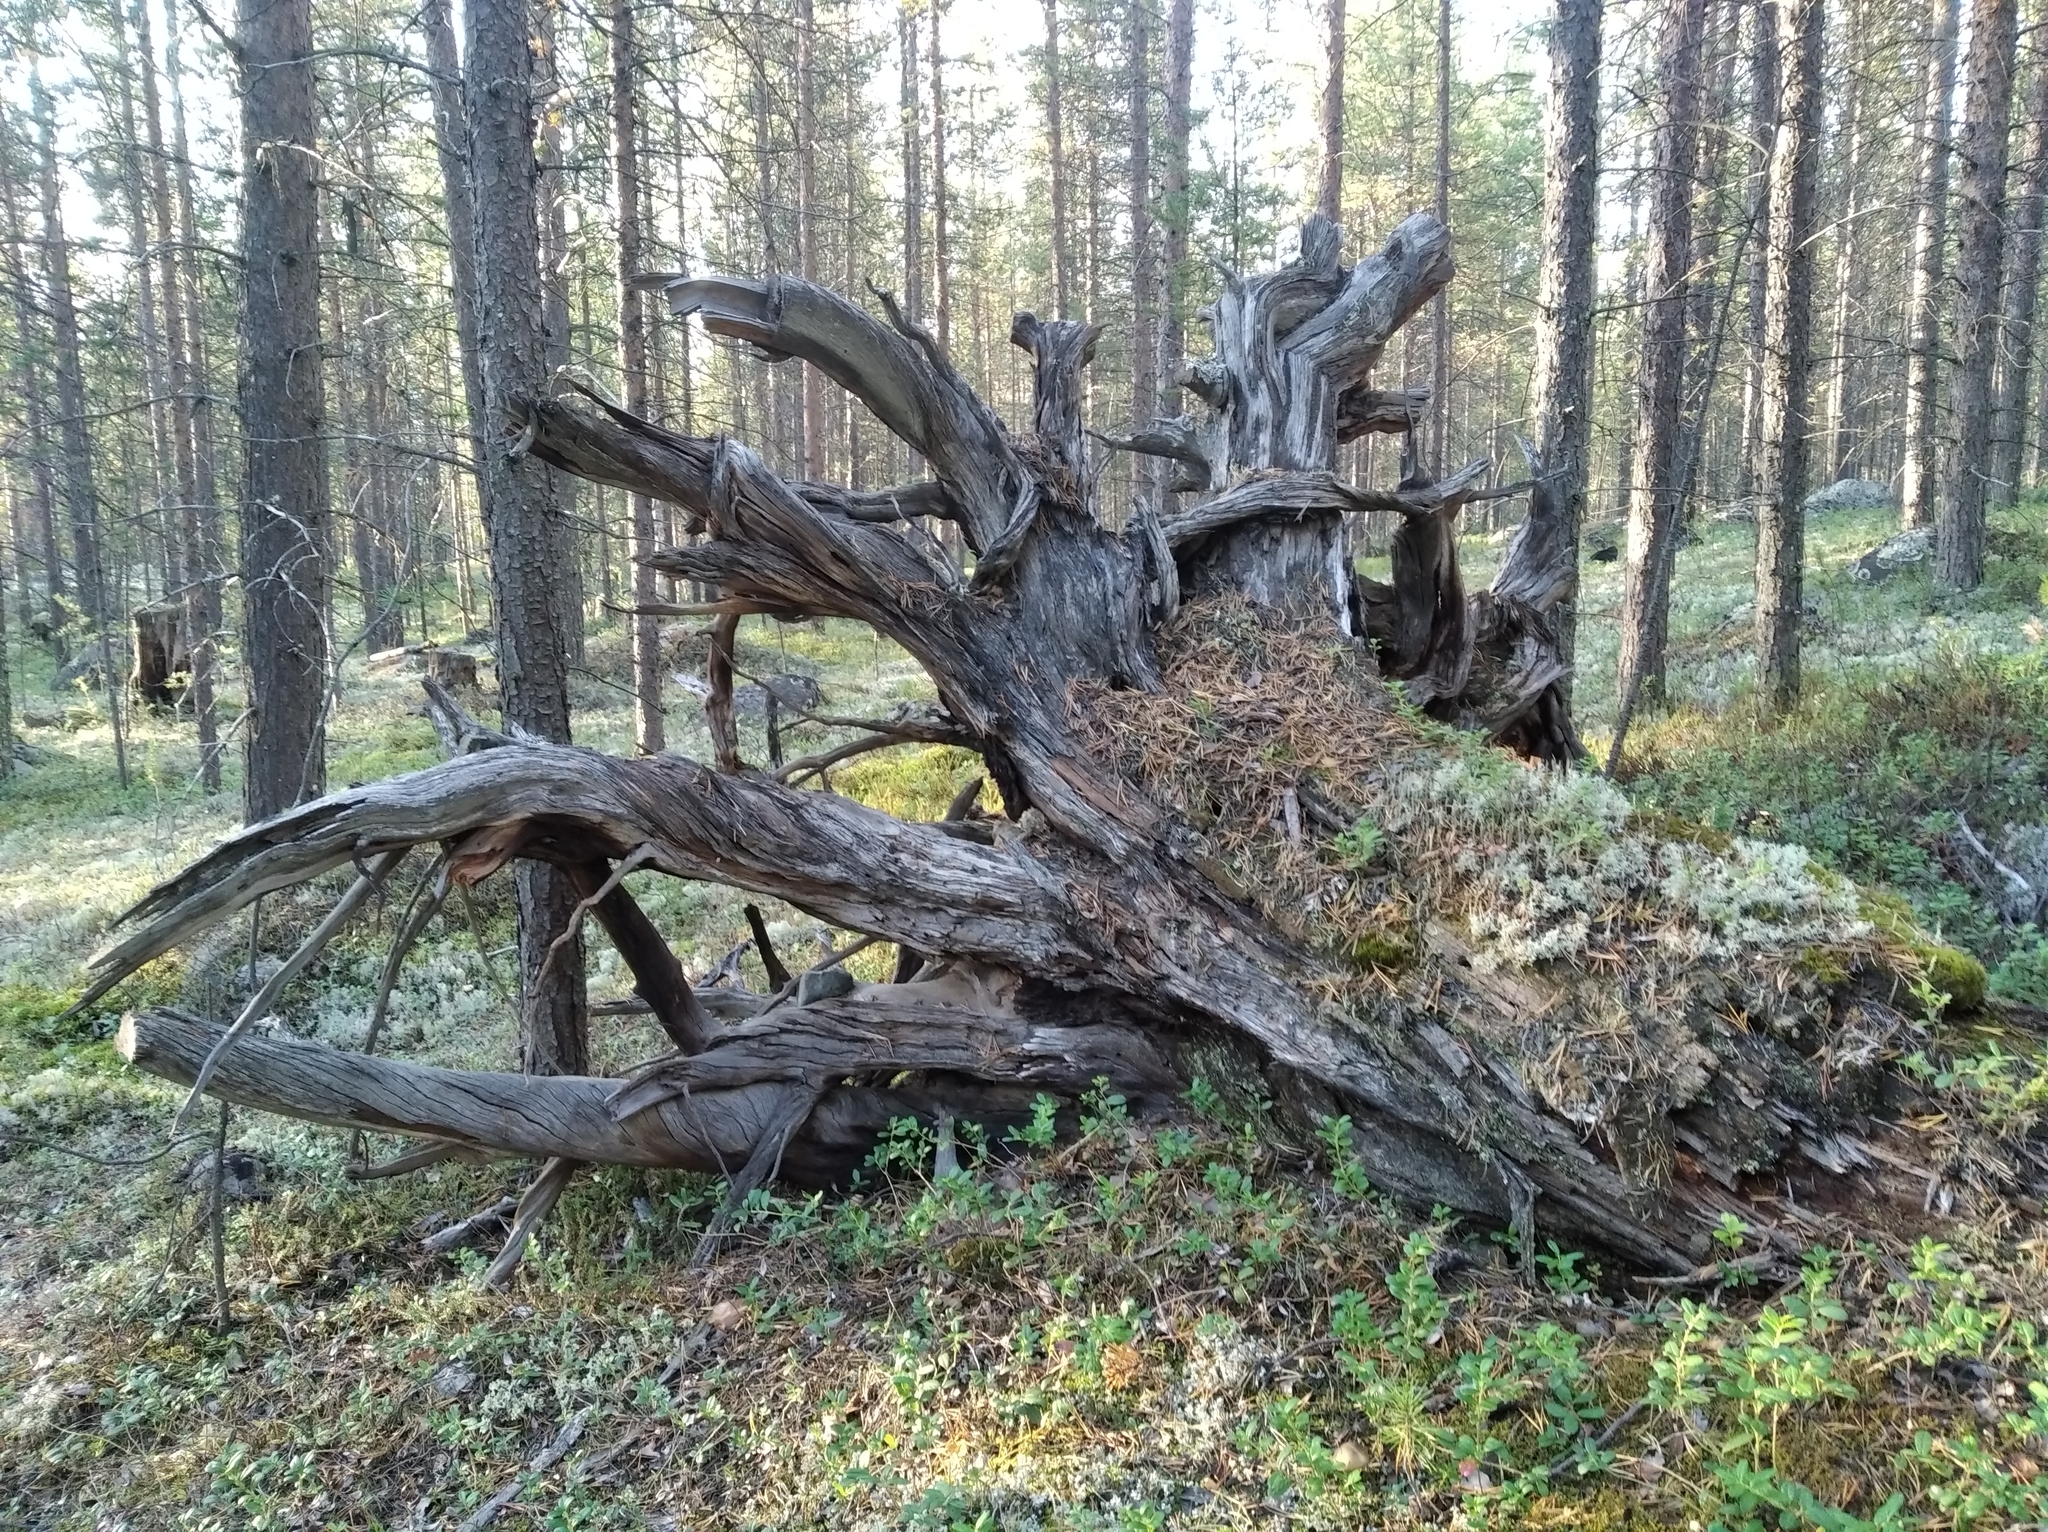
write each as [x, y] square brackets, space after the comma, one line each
[1610, 952]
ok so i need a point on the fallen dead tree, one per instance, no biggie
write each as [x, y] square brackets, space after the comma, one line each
[1228, 850]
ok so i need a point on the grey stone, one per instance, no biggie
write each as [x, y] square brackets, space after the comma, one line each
[823, 984]
[1850, 495]
[1911, 547]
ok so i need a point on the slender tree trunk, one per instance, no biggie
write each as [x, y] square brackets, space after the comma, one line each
[813, 434]
[1561, 385]
[1930, 233]
[942, 274]
[451, 135]
[1056, 166]
[181, 333]
[6, 686]
[1145, 388]
[1788, 345]
[1440, 308]
[530, 549]
[284, 490]
[1839, 437]
[646, 637]
[554, 226]
[156, 363]
[203, 532]
[2021, 288]
[1980, 257]
[100, 604]
[1174, 208]
[1653, 506]
[1763, 125]
[81, 498]
[1330, 176]
[912, 122]
[28, 378]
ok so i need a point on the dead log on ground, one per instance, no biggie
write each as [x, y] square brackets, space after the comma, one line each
[1228, 852]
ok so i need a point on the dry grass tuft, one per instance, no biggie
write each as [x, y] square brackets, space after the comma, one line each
[1625, 961]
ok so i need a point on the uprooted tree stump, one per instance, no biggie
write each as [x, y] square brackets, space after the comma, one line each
[163, 655]
[1229, 851]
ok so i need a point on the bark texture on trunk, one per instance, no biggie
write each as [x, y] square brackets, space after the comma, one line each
[1190, 745]
[1838, 461]
[1144, 274]
[203, 531]
[1917, 493]
[1056, 170]
[1788, 354]
[913, 163]
[1654, 503]
[285, 521]
[1561, 381]
[532, 555]
[1174, 212]
[2020, 291]
[1330, 116]
[1763, 127]
[1980, 258]
[648, 734]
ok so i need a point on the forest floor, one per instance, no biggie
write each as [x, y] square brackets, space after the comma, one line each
[1145, 1326]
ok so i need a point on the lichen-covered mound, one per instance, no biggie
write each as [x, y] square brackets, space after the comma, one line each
[1679, 993]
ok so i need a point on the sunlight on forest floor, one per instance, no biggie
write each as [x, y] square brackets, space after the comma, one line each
[1127, 1328]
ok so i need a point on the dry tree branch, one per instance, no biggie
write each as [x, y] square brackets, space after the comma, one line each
[259, 1004]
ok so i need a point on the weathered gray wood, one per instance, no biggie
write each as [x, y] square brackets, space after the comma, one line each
[704, 1113]
[1094, 934]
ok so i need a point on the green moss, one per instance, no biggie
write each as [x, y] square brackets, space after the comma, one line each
[1661, 826]
[911, 783]
[1948, 970]
[1827, 965]
[1390, 950]
[402, 745]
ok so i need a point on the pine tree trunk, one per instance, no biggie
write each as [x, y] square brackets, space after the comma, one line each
[1980, 258]
[97, 597]
[1144, 274]
[942, 255]
[192, 445]
[156, 359]
[1561, 380]
[1654, 499]
[648, 736]
[81, 499]
[1839, 459]
[28, 377]
[813, 398]
[1330, 172]
[205, 533]
[285, 523]
[1174, 209]
[6, 685]
[1440, 313]
[2020, 291]
[1917, 494]
[554, 236]
[909, 97]
[1763, 127]
[1788, 346]
[1056, 167]
[531, 551]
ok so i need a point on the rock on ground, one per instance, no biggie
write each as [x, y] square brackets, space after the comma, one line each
[1913, 546]
[1850, 495]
